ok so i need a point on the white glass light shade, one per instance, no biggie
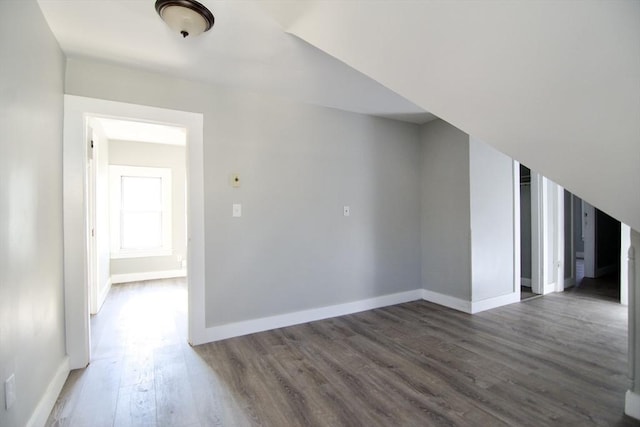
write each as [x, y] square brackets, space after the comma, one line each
[187, 17]
[184, 20]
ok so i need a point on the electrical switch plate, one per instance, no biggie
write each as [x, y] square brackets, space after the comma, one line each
[10, 391]
[237, 210]
[347, 211]
[234, 180]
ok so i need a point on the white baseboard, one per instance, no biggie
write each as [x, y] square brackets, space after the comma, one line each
[447, 301]
[495, 302]
[525, 282]
[470, 307]
[47, 401]
[246, 327]
[217, 333]
[632, 404]
[150, 275]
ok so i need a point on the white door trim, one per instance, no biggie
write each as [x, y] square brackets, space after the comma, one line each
[558, 219]
[547, 235]
[625, 245]
[537, 233]
[75, 186]
[571, 280]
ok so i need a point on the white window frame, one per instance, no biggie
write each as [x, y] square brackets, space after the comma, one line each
[116, 172]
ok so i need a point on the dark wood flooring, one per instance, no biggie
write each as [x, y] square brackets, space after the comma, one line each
[603, 288]
[558, 360]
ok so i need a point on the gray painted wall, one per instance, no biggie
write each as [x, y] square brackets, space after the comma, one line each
[299, 165]
[467, 187]
[31, 263]
[491, 182]
[446, 262]
[131, 153]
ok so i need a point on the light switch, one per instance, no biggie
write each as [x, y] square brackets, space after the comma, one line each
[237, 210]
[347, 211]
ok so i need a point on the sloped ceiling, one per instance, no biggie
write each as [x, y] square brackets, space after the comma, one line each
[555, 85]
[246, 48]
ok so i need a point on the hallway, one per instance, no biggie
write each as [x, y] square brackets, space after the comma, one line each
[142, 371]
[606, 288]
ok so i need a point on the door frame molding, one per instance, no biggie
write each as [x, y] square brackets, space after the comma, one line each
[538, 231]
[547, 235]
[75, 207]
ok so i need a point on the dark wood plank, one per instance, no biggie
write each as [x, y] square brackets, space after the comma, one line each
[555, 360]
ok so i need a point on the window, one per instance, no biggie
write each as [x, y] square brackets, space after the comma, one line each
[140, 211]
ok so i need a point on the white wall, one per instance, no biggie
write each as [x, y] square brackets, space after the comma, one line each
[446, 262]
[550, 234]
[32, 339]
[625, 245]
[130, 153]
[491, 178]
[292, 249]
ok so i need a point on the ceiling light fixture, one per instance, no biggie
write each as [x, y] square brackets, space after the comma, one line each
[188, 17]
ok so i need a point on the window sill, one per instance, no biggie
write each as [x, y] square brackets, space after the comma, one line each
[141, 254]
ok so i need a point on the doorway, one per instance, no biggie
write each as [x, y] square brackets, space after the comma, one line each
[595, 256]
[541, 234]
[137, 203]
[526, 290]
[77, 231]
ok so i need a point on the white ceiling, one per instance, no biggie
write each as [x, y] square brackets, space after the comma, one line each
[246, 48]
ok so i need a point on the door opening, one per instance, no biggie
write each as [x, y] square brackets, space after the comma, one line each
[596, 254]
[81, 226]
[526, 290]
[137, 211]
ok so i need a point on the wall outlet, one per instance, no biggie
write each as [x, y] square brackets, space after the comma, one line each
[346, 211]
[10, 391]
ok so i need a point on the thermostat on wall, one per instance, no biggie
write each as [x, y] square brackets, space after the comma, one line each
[234, 180]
